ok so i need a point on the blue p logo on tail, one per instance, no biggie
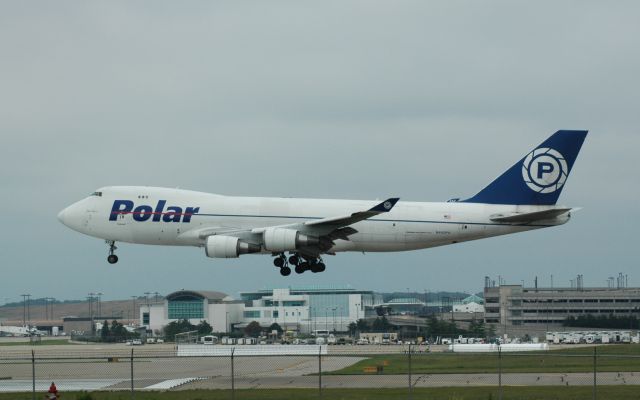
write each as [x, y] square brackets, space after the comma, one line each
[539, 177]
[544, 170]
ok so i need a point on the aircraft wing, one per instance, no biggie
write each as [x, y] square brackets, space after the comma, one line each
[529, 217]
[333, 228]
[347, 220]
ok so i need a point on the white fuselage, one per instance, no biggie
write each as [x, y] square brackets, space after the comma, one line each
[408, 226]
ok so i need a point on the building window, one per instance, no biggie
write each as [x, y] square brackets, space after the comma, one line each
[293, 303]
[252, 314]
[145, 318]
[186, 309]
[276, 314]
[492, 300]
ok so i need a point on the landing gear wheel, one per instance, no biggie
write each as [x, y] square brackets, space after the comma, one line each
[285, 271]
[319, 267]
[304, 266]
[300, 269]
[294, 260]
[112, 258]
[278, 262]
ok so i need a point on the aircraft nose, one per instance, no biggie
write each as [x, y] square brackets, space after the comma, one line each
[61, 216]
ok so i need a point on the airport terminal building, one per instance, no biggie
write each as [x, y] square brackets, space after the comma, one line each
[219, 309]
[309, 308]
[303, 309]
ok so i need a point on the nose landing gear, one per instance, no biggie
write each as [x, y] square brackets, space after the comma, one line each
[112, 258]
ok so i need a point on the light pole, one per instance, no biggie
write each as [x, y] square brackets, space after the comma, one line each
[90, 300]
[25, 300]
[326, 317]
[133, 307]
[53, 302]
[334, 319]
[99, 294]
[356, 331]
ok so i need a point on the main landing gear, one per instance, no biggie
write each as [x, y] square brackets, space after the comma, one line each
[300, 264]
[112, 258]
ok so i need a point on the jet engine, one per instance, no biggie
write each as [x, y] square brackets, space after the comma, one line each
[281, 239]
[228, 247]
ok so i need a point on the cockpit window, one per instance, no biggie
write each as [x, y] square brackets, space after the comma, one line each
[99, 194]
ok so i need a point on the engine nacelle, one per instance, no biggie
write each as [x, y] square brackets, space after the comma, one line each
[228, 247]
[281, 239]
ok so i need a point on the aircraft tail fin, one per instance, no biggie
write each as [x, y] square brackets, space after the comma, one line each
[538, 178]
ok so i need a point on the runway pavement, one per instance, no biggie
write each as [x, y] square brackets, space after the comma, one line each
[108, 367]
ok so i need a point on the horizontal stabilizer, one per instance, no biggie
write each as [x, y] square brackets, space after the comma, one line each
[529, 217]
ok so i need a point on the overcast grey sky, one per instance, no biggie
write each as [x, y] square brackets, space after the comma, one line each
[424, 100]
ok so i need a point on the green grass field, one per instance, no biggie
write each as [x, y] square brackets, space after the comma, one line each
[619, 358]
[474, 393]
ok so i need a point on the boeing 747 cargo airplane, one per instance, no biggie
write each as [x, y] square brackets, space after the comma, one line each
[521, 199]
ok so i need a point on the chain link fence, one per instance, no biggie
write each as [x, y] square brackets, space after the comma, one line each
[415, 371]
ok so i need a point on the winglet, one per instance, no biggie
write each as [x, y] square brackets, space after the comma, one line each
[386, 205]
